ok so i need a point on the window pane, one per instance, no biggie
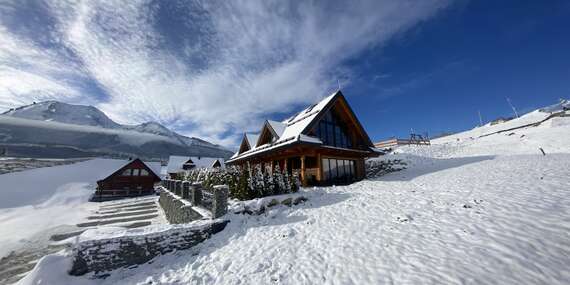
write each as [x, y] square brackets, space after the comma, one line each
[333, 169]
[347, 168]
[341, 168]
[127, 172]
[144, 172]
[326, 171]
[330, 135]
[337, 136]
[352, 168]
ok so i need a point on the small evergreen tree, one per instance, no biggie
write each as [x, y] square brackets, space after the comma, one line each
[279, 184]
[295, 182]
[287, 182]
[257, 181]
[268, 182]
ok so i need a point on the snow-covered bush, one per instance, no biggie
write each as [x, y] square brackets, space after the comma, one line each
[246, 183]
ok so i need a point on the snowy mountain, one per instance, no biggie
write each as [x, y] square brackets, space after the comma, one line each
[63, 113]
[56, 129]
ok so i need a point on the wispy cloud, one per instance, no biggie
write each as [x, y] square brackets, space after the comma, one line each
[210, 69]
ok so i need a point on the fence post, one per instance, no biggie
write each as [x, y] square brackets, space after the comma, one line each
[169, 185]
[185, 190]
[220, 203]
[196, 194]
[178, 188]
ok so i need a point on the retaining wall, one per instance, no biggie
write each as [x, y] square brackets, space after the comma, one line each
[130, 249]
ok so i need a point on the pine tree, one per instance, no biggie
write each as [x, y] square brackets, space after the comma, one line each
[279, 184]
[295, 183]
[268, 182]
[257, 181]
[287, 183]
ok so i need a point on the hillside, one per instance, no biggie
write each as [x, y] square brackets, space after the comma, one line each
[467, 209]
[55, 129]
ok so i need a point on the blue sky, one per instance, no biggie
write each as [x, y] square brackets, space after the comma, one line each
[215, 69]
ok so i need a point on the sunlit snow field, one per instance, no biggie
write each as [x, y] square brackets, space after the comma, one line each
[490, 210]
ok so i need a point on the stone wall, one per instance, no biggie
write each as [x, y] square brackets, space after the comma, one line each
[126, 250]
[176, 209]
[179, 197]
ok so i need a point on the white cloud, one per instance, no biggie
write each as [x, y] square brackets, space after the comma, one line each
[241, 60]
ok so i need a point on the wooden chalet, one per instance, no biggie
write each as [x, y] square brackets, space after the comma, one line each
[131, 179]
[325, 144]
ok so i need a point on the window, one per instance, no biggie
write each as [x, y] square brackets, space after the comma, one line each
[338, 170]
[326, 170]
[127, 172]
[144, 172]
[136, 172]
[333, 132]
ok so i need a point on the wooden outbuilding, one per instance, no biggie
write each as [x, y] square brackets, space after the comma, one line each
[325, 144]
[133, 178]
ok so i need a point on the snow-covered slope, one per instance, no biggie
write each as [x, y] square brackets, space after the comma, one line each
[55, 129]
[63, 113]
[467, 210]
[552, 136]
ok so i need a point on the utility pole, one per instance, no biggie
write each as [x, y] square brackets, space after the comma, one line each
[480, 118]
[513, 107]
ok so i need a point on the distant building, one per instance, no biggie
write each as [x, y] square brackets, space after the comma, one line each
[500, 120]
[415, 139]
[179, 164]
[325, 144]
[129, 179]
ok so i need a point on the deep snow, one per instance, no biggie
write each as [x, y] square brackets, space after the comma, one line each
[490, 210]
[37, 201]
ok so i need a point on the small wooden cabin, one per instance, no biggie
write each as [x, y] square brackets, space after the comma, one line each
[134, 178]
[325, 144]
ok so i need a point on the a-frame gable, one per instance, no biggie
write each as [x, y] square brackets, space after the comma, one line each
[340, 106]
[245, 145]
[267, 135]
[129, 164]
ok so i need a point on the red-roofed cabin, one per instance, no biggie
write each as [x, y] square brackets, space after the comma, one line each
[133, 179]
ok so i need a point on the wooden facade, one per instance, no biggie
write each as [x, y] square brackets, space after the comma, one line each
[133, 179]
[330, 148]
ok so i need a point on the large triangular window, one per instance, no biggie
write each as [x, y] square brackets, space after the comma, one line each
[334, 131]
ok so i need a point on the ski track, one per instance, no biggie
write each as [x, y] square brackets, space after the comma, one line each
[484, 222]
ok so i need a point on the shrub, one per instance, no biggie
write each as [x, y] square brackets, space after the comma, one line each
[245, 183]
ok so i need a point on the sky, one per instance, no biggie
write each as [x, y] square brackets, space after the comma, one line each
[215, 69]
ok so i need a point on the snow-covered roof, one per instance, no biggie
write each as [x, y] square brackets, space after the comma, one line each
[175, 162]
[110, 166]
[252, 139]
[290, 130]
[278, 127]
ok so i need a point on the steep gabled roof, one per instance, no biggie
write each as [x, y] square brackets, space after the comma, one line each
[152, 168]
[295, 128]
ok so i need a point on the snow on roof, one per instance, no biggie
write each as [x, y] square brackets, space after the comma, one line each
[278, 127]
[175, 162]
[290, 130]
[252, 139]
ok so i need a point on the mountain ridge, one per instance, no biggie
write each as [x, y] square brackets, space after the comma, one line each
[69, 119]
